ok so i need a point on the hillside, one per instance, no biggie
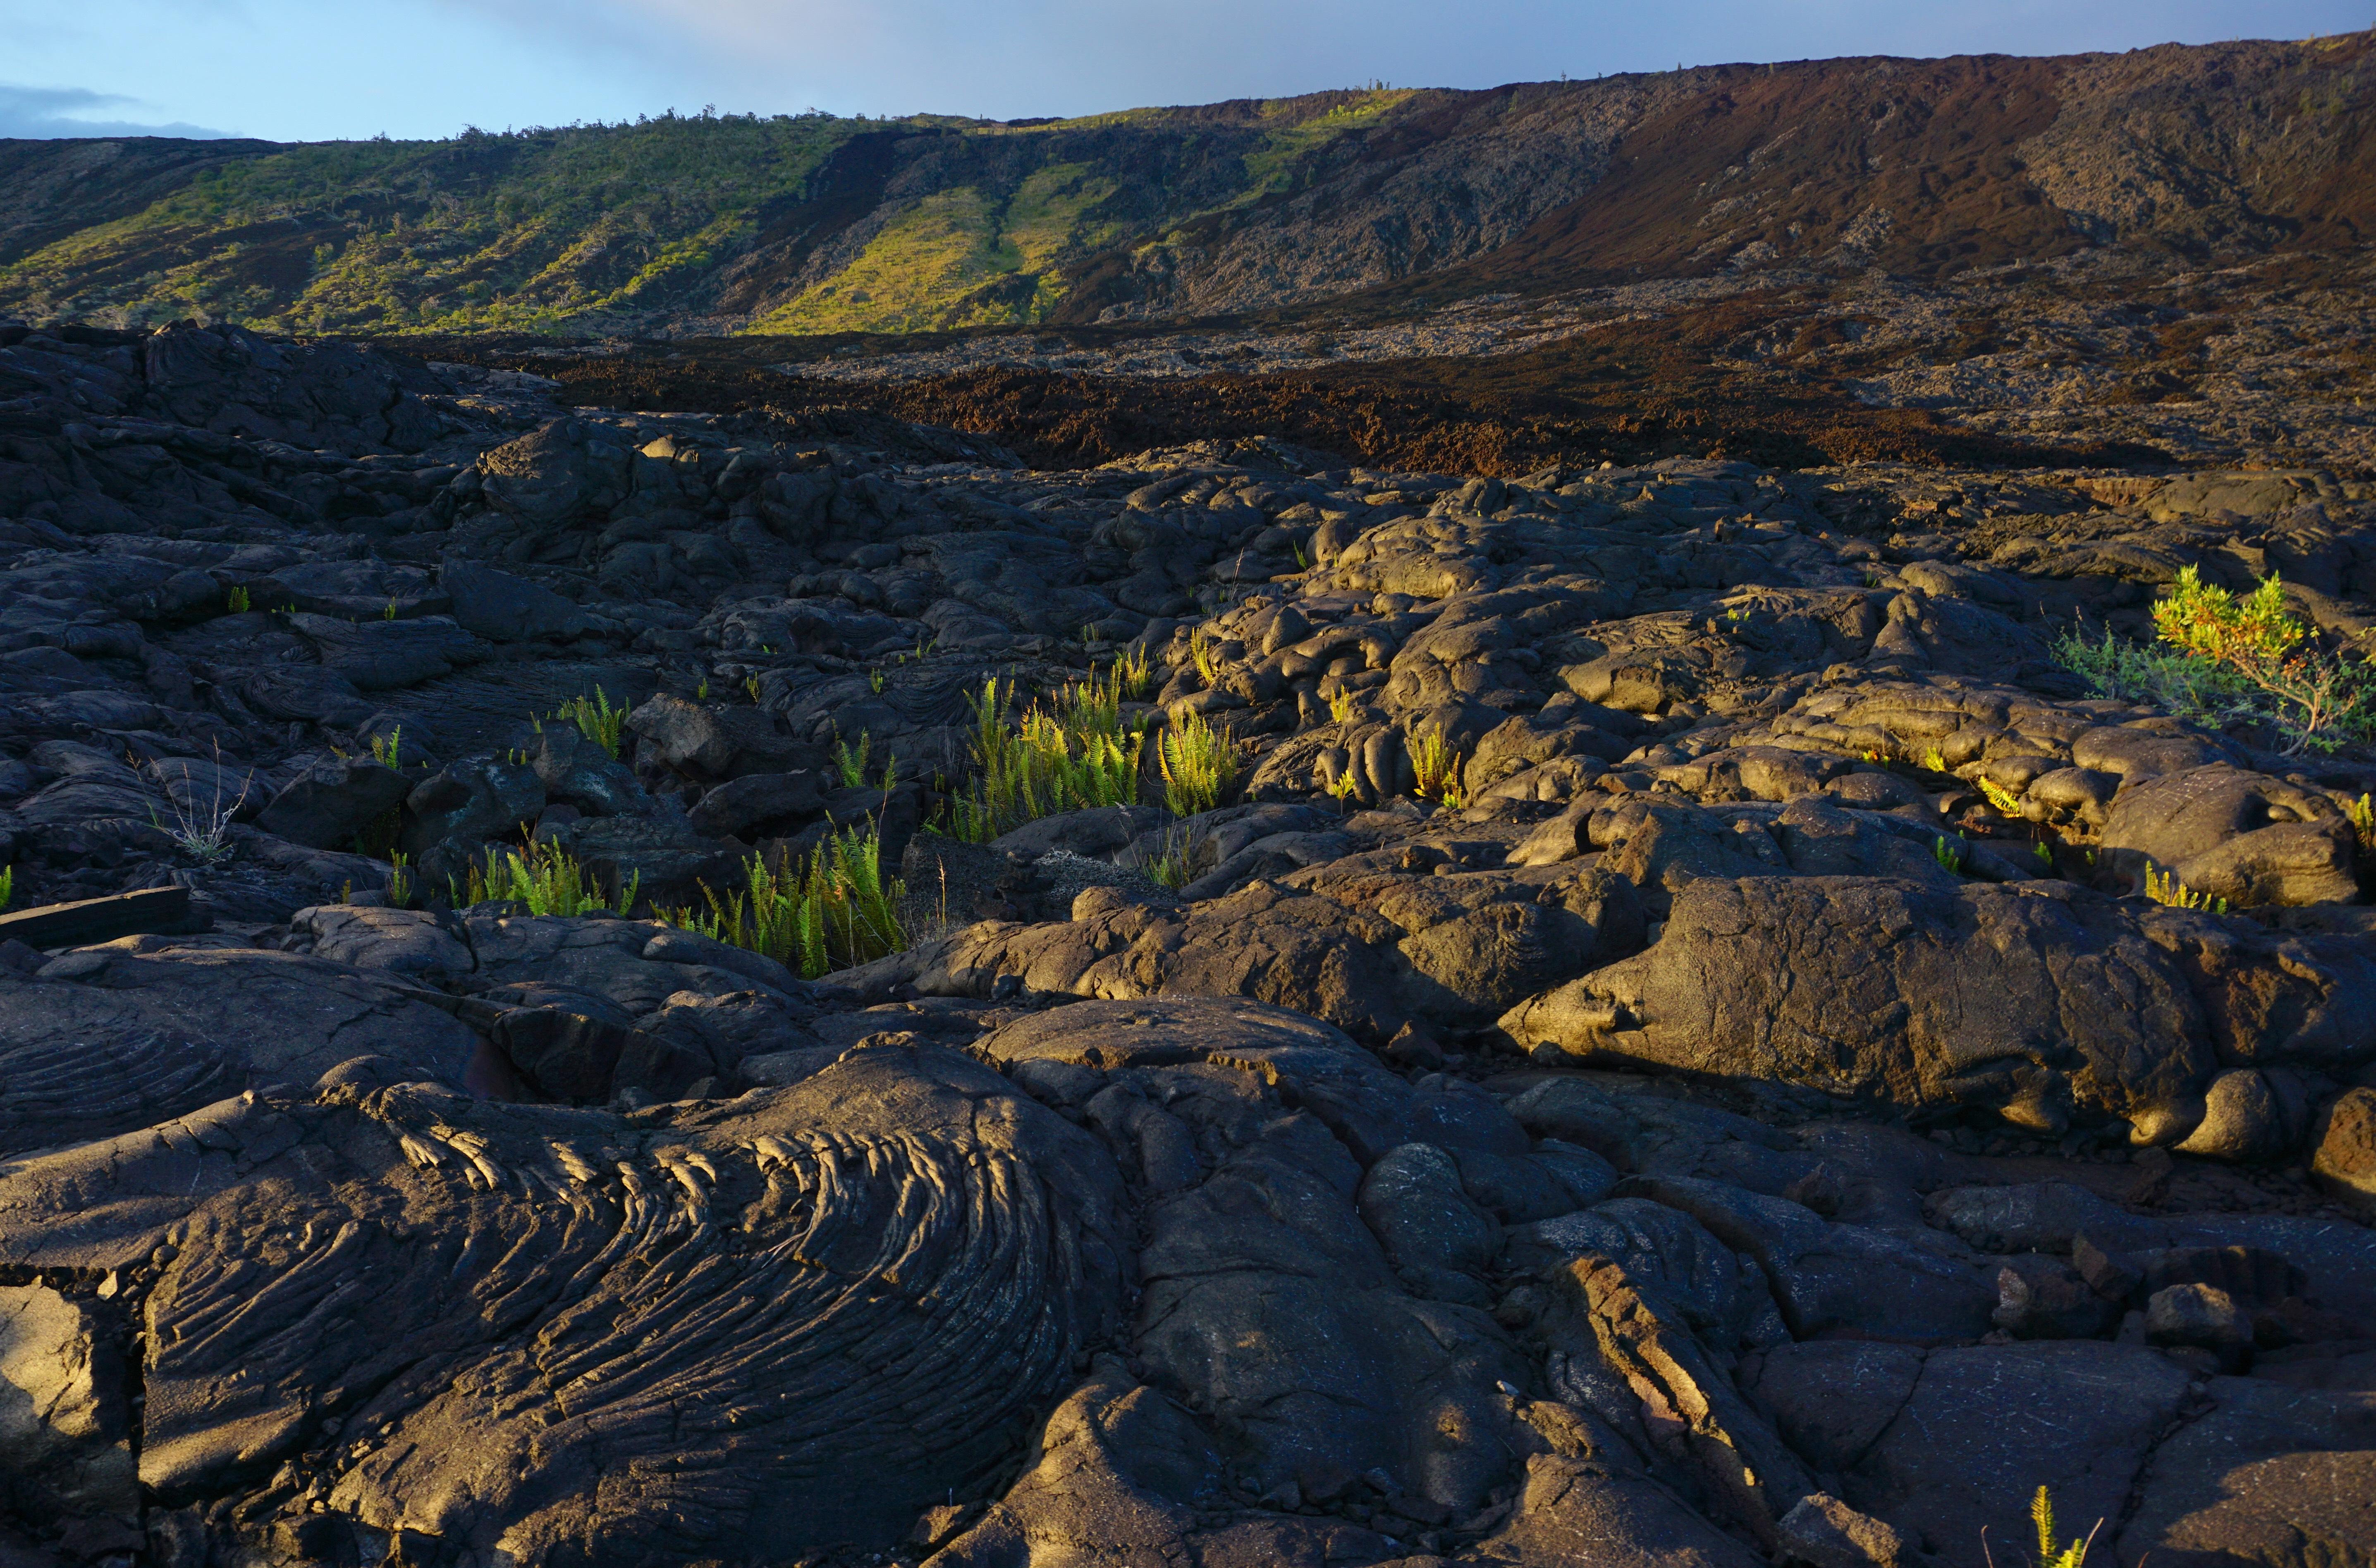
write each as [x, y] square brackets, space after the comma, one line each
[819, 225]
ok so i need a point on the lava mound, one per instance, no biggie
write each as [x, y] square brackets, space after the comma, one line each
[570, 1336]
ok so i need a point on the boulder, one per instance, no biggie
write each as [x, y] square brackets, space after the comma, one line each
[1269, 1300]
[1832, 1279]
[2344, 1161]
[705, 743]
[397, 942]
[468, 804]
[576, 771]
[1826, 1533]
[1574, 1511]
[2200, 1315]
[2251, 1117]
[553, 475]
[756, 802]
[2039, 1000]
[2044, 1298]
[2229, 833]
[331, 804]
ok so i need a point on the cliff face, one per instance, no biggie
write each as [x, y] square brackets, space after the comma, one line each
[822, 225]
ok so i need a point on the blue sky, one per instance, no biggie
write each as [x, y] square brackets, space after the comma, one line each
[325, 69]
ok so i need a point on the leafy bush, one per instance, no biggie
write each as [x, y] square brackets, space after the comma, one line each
[832, 911]
[7, 885]
[546, 878]
[237, 600]
[2234, 661]
[388, 750]
[1198, 764]
[597, 719]
[2210, 622]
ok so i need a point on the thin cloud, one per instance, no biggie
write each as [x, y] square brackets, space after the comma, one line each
[43, 114]
[1014, 57]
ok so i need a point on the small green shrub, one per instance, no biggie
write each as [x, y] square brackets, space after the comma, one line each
[2363, 825]
[2223, 660]
[388, 750]
[545, 877]
[7, 885]
[2002, 801]
[833, 911]
[2210, 622]
[597, 719]
[237, 601]
[1198, 764]
[399, 882]
[1949, 852]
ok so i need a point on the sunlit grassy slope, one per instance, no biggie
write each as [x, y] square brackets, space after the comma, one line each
[796, 225]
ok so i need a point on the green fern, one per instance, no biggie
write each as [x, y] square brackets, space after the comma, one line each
[546, 878]
[832, 911]
[597, 719]
[2075, 1555]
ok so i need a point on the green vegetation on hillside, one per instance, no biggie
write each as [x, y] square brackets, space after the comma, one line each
[485, 232]
[629, 227]
[958, 260]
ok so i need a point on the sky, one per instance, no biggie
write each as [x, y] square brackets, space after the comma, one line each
[306, 70]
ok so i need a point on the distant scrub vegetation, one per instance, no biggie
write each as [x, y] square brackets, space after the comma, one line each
[748, 220]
